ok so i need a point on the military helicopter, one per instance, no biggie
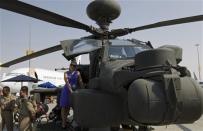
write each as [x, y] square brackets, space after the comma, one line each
[129, 81]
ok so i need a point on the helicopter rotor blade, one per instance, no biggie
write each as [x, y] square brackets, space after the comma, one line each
[121, 32]
[44, 15]
[33, 55]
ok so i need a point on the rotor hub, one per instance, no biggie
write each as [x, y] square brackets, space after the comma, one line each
[103, 12]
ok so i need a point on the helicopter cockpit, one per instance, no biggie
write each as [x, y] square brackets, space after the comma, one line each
[118, 49]
[125, 49]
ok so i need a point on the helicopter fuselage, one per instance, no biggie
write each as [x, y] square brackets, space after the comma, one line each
[129, 82]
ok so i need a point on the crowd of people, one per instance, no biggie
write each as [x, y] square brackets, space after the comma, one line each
[27, 108]
[23, 105]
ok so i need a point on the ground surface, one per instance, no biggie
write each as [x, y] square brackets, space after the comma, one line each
[55, 126]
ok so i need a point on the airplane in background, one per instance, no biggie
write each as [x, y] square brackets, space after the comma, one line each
[54, 77]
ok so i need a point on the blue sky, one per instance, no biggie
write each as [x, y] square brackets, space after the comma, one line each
[15, 28]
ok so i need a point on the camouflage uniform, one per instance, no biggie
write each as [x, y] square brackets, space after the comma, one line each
[26, 113]
[7, 106]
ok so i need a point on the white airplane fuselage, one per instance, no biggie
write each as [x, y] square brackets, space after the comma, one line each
[54, 77]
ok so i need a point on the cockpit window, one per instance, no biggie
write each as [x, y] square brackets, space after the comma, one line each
[124, 52]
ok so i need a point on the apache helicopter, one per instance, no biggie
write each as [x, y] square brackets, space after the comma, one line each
[129, 82]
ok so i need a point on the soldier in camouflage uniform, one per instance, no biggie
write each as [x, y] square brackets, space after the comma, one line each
[27, 110]
[7, 103]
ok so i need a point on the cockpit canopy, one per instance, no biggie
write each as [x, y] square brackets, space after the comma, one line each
[118, 49]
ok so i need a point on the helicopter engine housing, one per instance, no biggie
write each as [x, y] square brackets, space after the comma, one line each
[165, 93]
[151, 102]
